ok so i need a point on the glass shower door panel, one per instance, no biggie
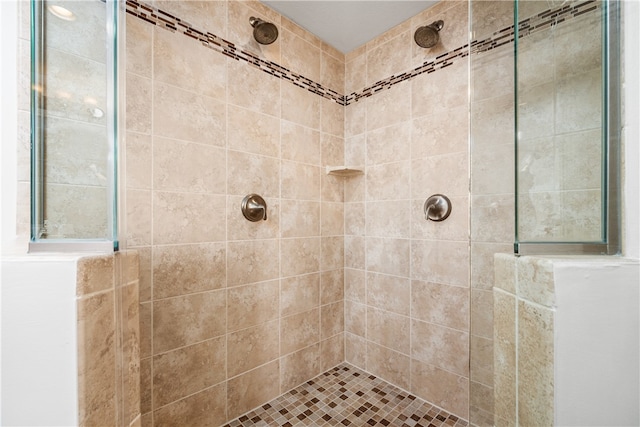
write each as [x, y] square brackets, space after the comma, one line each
[561, 123]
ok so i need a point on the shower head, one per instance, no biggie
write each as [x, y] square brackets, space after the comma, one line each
[429, 35]
[264, 32]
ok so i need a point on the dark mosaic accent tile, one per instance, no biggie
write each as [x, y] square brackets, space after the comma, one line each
[530, 25]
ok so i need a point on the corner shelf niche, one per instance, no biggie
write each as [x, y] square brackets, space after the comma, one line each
[345, 171]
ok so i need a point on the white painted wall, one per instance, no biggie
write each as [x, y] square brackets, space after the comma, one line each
[39, 341]
[597, 343]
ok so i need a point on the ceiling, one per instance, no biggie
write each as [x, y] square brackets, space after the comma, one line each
[346, 25]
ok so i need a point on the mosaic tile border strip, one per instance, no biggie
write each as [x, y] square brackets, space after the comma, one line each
[528, 26]
[347, 396]
[174, 24]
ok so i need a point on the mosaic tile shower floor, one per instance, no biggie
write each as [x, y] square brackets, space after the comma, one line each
[347, 396]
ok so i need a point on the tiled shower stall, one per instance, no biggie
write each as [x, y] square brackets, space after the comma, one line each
[235, 313]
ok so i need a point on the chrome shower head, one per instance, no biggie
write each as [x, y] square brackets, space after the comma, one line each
[429, 35]
[264, 32]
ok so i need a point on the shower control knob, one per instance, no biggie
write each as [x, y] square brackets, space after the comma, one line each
[254, 208]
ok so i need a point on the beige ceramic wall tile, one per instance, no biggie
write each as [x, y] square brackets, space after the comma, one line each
[301, 106]
[249, 390]
[300, 256]
[253, 132]
[355, 285]
[332, 219]
[175, 221]
[491, 169]
[535, 364]
[535, 280]
[482, 263]
[587, 45]
[481, 313]
[299, 293]
[146, 332]
[481, 405]
[331, 352]
[298, 367]
[300, 218]
[331, 253]
[251, 347]
[583, 216]
[389, 181]
[130, 352]
[355, 118]
[145, 269]
[427, 87]
[389, 293]
[430, 261]
[440, 133]
[185, 166]
[356, 74]
[445, 389]
[389, 144]
[138, 50]
[389, 58]
[355, 318]
[24, 74]
[138, 218]
[388, 364]
[481, 360]
[331, 286]
[95, 274]
[536, 111]
[252, 304]
[388, 219]
[332, 72]
[388, 329]
[388, 256]
[300, 181]
[206, 408]
[300, 144]
[253, 89]
[96, 359]
[203, 15]
[188, 64]
[492, 121]
[332, 117]
[332, 149]
[138, 161]
[354, 252]
[184, 269]
[242, 177]
[355, 350]
[535, 61]
[188, 319]
[505, 364]
[505, 272]
[492, 219]
[332, 187]
[452, 179]
[331, 320]
[188, 116]
[441, 347]
[179, 373]
[299, 331]
[300, 56]
[138, 104]
[23, 152]
[389, 107]
[252, 261]
[354, 219]
[145, 385]
[443, 305]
